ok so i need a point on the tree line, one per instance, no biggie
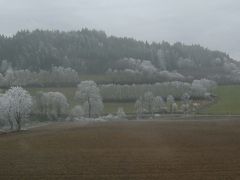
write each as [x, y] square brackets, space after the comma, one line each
[16, 104]
[93, 52]
[198, 89]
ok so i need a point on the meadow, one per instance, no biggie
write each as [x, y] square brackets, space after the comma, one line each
[227, 101]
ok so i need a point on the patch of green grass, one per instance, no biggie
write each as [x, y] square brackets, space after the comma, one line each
[228, 100]
[111, 107]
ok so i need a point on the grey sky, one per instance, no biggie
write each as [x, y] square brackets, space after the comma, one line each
[212, 23]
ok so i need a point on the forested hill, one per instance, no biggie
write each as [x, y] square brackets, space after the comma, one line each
[91, 51]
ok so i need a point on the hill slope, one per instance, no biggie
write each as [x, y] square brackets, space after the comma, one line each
[91, 51]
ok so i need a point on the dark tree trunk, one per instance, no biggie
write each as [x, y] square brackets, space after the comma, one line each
[18, 126]
[18, 121]
[10, 123]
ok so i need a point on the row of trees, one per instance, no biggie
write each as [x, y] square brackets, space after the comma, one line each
[57, 76]
[51, 104]
[148, 103]
[129, 76]
[68, 76]
[197, 89]
[54, 105]
[137, 70]
[91, 51]
[16, 104]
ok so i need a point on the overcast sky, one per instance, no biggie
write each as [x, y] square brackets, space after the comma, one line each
[212, 23]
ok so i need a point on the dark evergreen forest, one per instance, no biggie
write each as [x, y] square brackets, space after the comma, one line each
[93, 52]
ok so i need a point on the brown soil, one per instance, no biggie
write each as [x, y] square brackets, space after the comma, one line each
[178, 149]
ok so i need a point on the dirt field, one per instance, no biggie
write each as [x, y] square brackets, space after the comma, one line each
[181, 150]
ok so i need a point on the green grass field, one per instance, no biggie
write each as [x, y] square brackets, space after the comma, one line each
[111, 107]
[228, 101]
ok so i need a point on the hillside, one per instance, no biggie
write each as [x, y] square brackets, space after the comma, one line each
[93, 52]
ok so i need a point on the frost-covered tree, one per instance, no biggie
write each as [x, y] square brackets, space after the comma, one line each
[185, 108]
[230, 67]
[174, 107]
[134, 91]
[64, 75]
[19, 103]
[147, 67]
[26, 77]
[139, 108]
[51, 104]
[77, 112]
[200, 87]
[57, 104]
[88, 93]
[148, 98]
[158, 104]
[120, 113]
[10, 77]
[185, 104]
[185, 98]
[135, 66]
[170, 102]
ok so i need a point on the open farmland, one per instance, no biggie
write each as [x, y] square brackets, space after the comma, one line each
[165, 149]
[228, 101]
